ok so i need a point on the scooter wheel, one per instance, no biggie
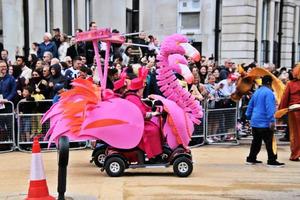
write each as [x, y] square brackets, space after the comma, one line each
[182, 166]
[114, 167]
[99, 158]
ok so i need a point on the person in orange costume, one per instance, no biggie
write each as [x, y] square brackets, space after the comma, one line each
[291, 102]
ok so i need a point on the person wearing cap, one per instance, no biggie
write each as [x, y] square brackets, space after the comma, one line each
[228, 85]
[291, 101]
[226, 69]
[56, 37]
[260, 111]
[47, 45]
[151, 140]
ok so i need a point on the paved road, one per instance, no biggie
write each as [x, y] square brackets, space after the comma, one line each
[219, 173]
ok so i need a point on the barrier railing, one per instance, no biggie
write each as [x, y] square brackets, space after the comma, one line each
[29, 114]
[218, 126]
[198, 137]
[221, 122]
[7, 127]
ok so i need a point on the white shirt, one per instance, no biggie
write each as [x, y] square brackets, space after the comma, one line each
[227, 89]
[62, 50]
[26, 72]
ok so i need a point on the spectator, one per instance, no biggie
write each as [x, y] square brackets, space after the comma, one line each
[32, 60]
[34, 48]
[142, 40]
[216, 73]
[64, 67]
[73, 72]
[38, 85]
[39, 64]
[4, 56]
[89, 48]
[46, 77]
[56, 37]
[26, 71]
[54, 61]
[7, 84]
[47, 57]
[75, 49]
[47, 45]
[261, 110]
[83, 60]
[228, 86]
[203, 74]
[26, 108]
[56, 79]
[226, 69]
[62, 49]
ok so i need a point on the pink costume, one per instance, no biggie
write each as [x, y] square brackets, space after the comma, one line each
[151, 140]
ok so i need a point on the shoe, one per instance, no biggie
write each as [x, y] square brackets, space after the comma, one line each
[275, 164]
[296, 159]
[253, 162]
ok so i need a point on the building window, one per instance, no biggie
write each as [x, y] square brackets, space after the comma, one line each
[264, 33]
[189, 16]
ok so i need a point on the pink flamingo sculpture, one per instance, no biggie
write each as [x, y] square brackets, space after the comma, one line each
[181, 106]
[89, 112]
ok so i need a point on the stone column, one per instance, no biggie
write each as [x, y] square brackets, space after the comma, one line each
[58, 14]
[110, 14]
[238, 30]
[288, 33]
[271, 30]
[259, 17]
[36, 21]
[296, 34]
[13, 26]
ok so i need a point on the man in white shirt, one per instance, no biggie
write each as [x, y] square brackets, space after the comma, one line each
[228, 86]
[26, 71]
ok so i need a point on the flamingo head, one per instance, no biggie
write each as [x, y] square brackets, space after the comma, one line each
[179, 64]
[178, 44]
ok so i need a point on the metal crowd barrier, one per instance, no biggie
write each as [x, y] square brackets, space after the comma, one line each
[29, 114]
[7, 127]
[217, 123]
[198, 137]
[221, 123]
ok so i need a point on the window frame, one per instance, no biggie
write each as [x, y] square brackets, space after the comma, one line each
[181, 11]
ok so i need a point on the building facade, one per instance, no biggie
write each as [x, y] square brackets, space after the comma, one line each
[266, 31]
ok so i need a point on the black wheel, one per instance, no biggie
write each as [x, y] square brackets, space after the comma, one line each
[182, 166]
[99, 158]
[114, 167]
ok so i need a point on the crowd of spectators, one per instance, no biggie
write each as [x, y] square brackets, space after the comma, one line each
[58, 59]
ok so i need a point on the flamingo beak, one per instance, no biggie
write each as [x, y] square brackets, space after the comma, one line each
[186, 73]
[191, 51]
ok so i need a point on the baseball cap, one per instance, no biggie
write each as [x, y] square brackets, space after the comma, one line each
[56, 29]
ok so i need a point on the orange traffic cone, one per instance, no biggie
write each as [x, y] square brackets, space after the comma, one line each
[38, 189]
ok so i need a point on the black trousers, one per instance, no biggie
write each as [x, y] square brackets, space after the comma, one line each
[259, 135]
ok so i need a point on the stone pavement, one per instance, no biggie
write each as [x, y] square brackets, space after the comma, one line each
[219, 173]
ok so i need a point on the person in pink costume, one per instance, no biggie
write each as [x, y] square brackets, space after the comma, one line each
[151, 142]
